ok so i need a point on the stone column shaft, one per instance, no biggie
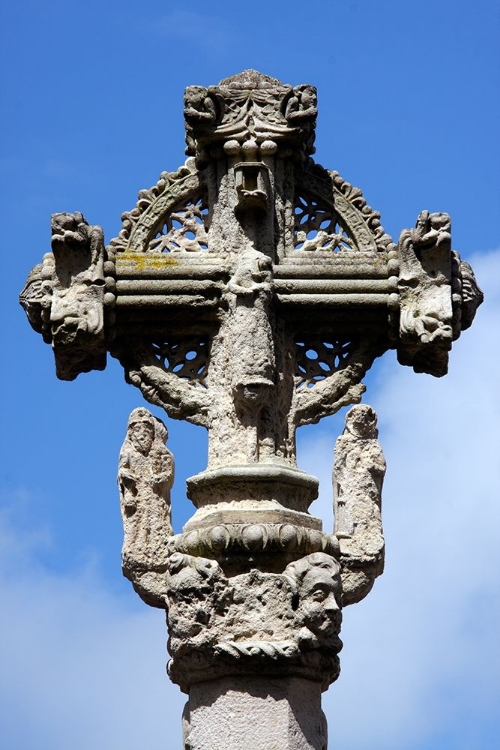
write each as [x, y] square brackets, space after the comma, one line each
[252, 713]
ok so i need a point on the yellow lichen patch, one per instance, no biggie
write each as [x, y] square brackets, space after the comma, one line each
[142, 261]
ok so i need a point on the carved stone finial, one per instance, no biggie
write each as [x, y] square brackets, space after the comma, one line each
[251, 115]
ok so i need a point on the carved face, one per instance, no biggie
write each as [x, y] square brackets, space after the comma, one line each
[141, 435]
[189, 610]
[361, 421]
[318, 602]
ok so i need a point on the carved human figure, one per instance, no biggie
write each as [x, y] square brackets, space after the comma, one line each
[145, 478]
[318, 585]
[196, 592]
[249, 293]
[358, 475]
[302, 104]
[198, 105]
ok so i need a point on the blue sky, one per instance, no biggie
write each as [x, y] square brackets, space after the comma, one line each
[408, 111]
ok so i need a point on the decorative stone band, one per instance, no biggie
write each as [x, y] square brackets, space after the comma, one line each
[257, 658]
[268, 487]
[224, 541]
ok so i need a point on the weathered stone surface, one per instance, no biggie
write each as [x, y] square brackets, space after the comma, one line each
[249, 293]
[64, 297]
[253, 623]
[145, 478]
[425, 287]
[255, 714]
[358, 475]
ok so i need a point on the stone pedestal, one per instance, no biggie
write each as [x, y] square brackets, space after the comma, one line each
[255, 714]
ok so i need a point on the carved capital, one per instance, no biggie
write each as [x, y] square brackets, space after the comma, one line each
[254, 623]
[249, 108]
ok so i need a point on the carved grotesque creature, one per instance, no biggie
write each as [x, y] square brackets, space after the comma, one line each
[426, 272]
[426, 313]
[472, 295]
[199, 105]
[64, 297]
[301, 105]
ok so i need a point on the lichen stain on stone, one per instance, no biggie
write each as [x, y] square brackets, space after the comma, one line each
[141, 261]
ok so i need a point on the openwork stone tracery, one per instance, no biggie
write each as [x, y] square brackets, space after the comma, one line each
[249, 293]
[317, 227]
[185, 229]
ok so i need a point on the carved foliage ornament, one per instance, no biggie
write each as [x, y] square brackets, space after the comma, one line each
[249, 104]
[185, 228]
[186, 358]
[317, 359]
[317, 227]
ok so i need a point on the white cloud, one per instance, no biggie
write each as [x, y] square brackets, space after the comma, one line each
[81, 669]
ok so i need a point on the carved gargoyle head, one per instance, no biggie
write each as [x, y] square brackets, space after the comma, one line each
[69, 229]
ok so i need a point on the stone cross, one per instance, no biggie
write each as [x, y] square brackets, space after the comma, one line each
[250, 292]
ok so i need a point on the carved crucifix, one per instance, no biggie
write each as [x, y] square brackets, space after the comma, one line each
[249, 293]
